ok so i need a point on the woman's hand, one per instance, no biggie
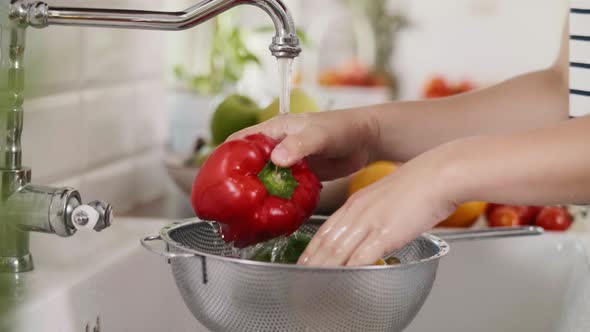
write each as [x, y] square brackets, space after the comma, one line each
[335, 143]
[376, 220]
[384, 216]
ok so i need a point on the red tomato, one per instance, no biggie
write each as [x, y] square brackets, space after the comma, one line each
[535, 210]
[491, 207]
[505, 216]
[526, 214]
[437, 87]
[355, 73]
[554, 218]
[379, 80]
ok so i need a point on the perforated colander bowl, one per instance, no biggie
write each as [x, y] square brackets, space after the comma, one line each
[231, 294]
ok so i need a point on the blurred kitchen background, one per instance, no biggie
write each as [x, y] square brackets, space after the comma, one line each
[106, 108]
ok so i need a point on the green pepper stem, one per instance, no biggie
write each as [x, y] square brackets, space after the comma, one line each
[278, 181]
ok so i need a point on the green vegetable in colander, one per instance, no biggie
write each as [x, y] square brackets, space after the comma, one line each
[282, 250]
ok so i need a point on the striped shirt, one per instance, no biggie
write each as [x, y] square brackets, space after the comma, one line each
[579, 57]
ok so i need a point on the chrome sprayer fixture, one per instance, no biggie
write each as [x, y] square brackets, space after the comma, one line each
[25, 207]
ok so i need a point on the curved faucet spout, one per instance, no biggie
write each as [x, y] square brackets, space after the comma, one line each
[285, 43]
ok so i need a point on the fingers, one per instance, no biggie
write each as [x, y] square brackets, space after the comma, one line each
[297, 146]
[299, 137]
[277, 127]
[335, 246]
[369, 251]
[361, 231]
[316, 241]
[339, 237]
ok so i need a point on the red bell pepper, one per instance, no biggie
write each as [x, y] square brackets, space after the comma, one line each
[253, 200]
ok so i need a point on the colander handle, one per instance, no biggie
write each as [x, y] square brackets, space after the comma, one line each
[144, 242]
[492, 233]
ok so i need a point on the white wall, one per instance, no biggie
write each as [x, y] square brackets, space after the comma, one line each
[483, 40]
[94, 112]
[486, 40]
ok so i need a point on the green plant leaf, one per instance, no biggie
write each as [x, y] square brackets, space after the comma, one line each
[228, 58]
[202, 84]
[231, 74]
[179, 72]
[303, 37]
[249, 57]
[264, 29]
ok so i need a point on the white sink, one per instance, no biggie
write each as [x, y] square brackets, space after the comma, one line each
[526, 284]
[106, 275]
[519, 284]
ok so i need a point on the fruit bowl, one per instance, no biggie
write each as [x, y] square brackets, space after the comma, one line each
[182, 174]
[332, 196]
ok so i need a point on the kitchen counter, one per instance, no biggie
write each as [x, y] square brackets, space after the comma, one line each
[173, 205]
[105, 281]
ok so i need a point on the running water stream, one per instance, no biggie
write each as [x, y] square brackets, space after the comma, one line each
[285, 72]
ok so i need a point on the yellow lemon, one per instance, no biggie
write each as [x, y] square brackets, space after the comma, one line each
[465, 215]
[380, 261]
[300, 103]
[370, 174]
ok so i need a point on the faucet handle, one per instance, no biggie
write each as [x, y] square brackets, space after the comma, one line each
[95, 215]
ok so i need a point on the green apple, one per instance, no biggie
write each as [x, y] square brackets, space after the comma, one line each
[235, 113]
[300, 103]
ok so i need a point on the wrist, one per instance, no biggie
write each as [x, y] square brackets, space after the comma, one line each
[452, 169]
[379, 120]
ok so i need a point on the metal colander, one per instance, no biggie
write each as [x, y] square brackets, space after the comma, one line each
[232, 294]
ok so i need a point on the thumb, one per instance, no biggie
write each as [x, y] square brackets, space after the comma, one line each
[297, 146]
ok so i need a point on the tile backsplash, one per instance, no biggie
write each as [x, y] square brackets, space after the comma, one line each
[94, 109]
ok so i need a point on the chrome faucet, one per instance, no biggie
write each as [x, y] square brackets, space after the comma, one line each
[285, 43]
[25, 207]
